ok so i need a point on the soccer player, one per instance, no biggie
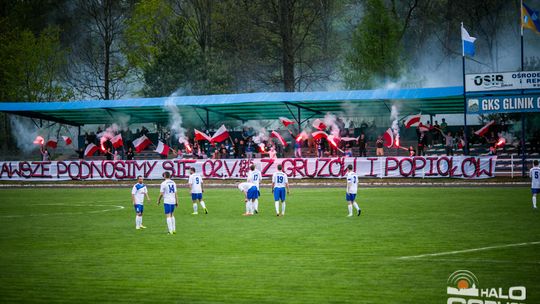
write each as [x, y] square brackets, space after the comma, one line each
[170, 200]
[196, 183]
[535, 181]
[138, 192]
[352, 189]
[254, 177]
[251, 193]
[279, 184]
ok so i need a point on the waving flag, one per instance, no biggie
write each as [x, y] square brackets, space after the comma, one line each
[141, 143]
[484, 129]
[279, 138]
[318, 124]
[220, 135]
[286, 122]
[117, 141]
[423, 128]
[413, 121]
[90, 150]
[52, 142]
[39, 140]
[467, 42]
[302, 136]
[201, 136]
[530, 18]
[319, 135]
[333, 140]
[162, 149]
[388, 138]
[67, 140]
[349, 138]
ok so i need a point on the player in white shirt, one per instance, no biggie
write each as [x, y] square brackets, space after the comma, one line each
[279, 184]
[196, 184]
[535, 181]
[352, 189]
[255, 177]
[138, 192]
[251, 194]
[170, 200]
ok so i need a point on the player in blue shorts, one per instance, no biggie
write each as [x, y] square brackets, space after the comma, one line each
[251, 193]
[280, 183]
[535, 181]
[196, 183]
[138, 192]
[170, 200]
[352, 189]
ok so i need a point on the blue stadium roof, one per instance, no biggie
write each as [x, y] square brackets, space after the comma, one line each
[248, 106]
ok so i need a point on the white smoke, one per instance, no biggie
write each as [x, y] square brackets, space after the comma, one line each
[24, 132]
[330, 120]
[175, 119]
[261, 132]
[394, 116]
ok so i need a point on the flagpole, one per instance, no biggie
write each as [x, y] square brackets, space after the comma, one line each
[524, 149]
[465, 137]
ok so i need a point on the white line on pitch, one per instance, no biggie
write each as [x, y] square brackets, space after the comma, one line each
[467, 250]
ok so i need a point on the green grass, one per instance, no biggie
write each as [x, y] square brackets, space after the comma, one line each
[315, 254]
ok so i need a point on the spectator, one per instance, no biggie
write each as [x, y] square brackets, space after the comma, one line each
[421, 144]
[116, 155]
[236, 148]
[379, 145]
[298, 149]
[242, 149]
[436, 135]
[108, 154]
[224, 153]
[411, 151]
[272, 153]
[443, 126]
[362, 144]
[320, 148]
[249, 149]
[45, 156]
[130, 155]
[80, 153]
[448, 143]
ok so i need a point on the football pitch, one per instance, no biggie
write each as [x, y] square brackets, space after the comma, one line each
[80, 245]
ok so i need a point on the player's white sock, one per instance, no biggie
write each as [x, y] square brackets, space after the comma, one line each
[283, 208]
[169, 224]
[195, 207]
[356, 206]
[137, 225]
[248, 203]
[534, 201]
[256, 204]
[350, 209]
[277, 206]
[203, 205]
[173, 223]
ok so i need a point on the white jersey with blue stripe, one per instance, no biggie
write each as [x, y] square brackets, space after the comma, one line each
[535, 177]
[254, 177]
[168, 189]
[352, 182]
[138, 191]
[279, 179]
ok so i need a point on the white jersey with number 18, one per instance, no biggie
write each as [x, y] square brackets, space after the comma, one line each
[535, 178]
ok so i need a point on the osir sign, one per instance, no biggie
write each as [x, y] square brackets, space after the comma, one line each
[502, 81]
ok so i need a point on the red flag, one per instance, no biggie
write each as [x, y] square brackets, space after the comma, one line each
[67, 140]
[413, 121]
[221, 134]
[279, 138]
[318, 124]
[52, 142]
[90, 150]
[484, 129]
[286, 122]
[141, 143]
[162, 149]
[117, 141]
[319, 134]
[39, 140]
[423, 128]
[388, 138]
[202, 136]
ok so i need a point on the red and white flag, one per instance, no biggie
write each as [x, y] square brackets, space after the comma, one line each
[349, 138]
[117, 141]
[319, 134]
[423, 128]
[39, 140]
[413, 121]
[221, 134]
[318, 124]
[484, 129]
[388, 138]
[162, 149]
[286, 122]
[52, 142]
[202, 136]
[279, 138]
[302, 136]
[141, 143]
[67, 140]
[334, 140]
[90, 150]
